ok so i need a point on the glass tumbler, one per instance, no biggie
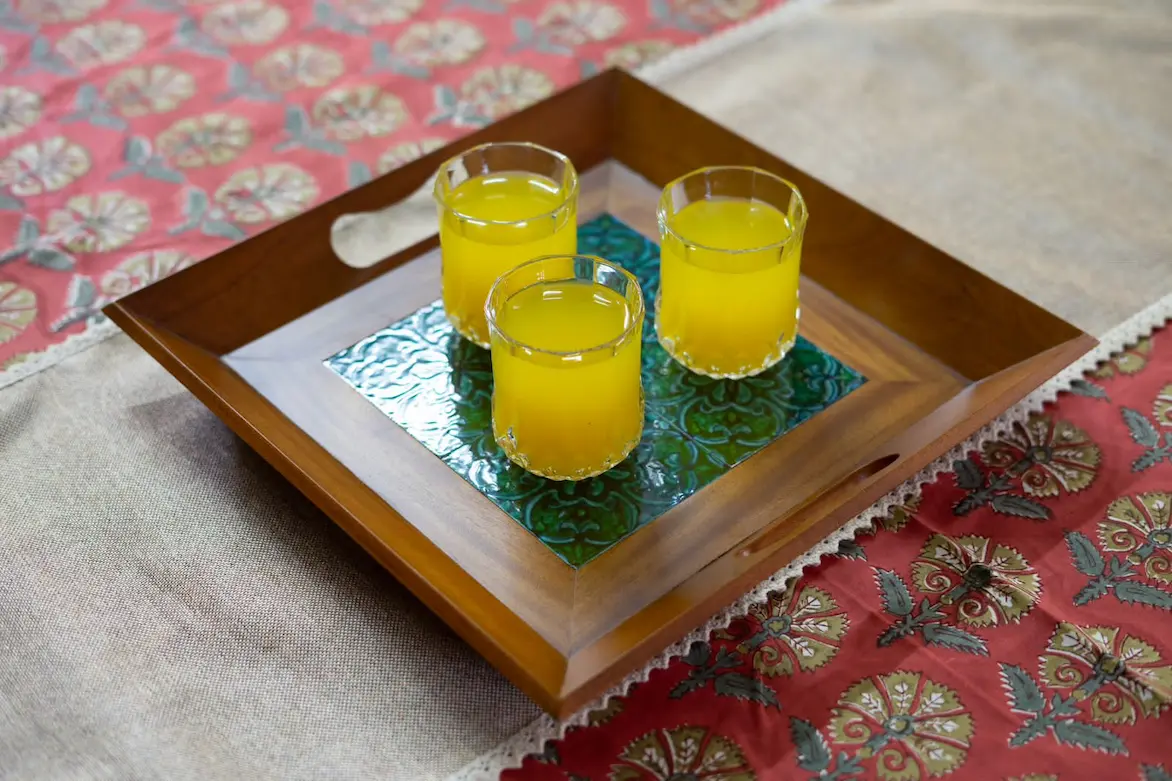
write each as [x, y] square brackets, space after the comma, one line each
[499, 206]
[566, 333]
[730, 251]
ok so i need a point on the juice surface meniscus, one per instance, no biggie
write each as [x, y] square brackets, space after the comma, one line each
[577, 414]
[725, 307]
[489, 225]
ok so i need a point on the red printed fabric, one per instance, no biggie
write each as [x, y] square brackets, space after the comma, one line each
[138, 136]
[1014, 622]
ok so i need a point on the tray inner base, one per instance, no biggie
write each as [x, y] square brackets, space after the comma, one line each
[571, 607]
[438, 388]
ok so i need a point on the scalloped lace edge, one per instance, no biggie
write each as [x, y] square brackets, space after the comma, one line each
[532, 739]
[55, 354]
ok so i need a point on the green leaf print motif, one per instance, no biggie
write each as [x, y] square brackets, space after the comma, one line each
[1019, 506]
[1143, 594]
[955, 639]
[1088, 736]
[896, 599]
[1145, 433]
[726, 682]
[813, 752]
[1088, 389]
[1057, 716]
[1154, 773]
[1142, 430]
[1087, 558]
[851, 549]
[1025, 696]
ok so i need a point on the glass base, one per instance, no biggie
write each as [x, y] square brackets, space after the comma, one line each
[741, 372]
[509, 445]
[463, 330]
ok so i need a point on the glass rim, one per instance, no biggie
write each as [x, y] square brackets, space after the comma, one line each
[571, 191]
[637, 315]
[661, 217]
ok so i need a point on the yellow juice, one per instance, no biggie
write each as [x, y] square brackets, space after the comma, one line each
[724, 311]
[577, 414]
[490, 225]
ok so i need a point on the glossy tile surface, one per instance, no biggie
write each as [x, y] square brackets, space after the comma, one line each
[438, 387]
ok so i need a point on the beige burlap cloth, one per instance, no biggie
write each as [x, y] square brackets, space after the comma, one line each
[171, 609]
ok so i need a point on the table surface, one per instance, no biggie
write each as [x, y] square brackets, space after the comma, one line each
[173, 610]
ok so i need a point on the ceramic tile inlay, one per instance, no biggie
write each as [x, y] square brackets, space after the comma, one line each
[438, 388]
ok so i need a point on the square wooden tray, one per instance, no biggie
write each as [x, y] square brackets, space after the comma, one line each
[944, 349]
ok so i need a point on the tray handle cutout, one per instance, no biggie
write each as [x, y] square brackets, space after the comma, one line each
[363, 239]
[819, 504]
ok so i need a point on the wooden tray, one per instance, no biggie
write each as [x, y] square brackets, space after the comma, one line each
[944, 350]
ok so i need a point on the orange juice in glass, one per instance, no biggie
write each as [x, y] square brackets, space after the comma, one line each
[499, 206]
[566, 334]
[730, 251]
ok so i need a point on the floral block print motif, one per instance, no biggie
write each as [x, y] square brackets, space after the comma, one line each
[969, 583]
[131, 127]
[1043, 457]
[1000, 641]
[1154, 435]
[1131, 558]
[902, 725]
[683, 752]
[438, 387]
[798, 629]
[1128, 362]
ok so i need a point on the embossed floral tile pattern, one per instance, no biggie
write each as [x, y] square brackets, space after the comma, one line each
[438, 387]
[139, 136]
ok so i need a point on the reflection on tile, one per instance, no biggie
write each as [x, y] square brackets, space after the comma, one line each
[438, 387]
[608, 238]
[579, 520]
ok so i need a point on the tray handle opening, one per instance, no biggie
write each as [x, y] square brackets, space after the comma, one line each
[782, 530]
[362, 239]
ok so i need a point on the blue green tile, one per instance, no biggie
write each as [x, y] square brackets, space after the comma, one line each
[438, 388]
[407, 371]
[736, 418]
[608, 238]
[579, 520]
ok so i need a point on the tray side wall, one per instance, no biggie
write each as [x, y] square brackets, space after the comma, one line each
[950, 310]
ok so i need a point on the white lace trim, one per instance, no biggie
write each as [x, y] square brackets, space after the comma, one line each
[55, 354]
[532, 739]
